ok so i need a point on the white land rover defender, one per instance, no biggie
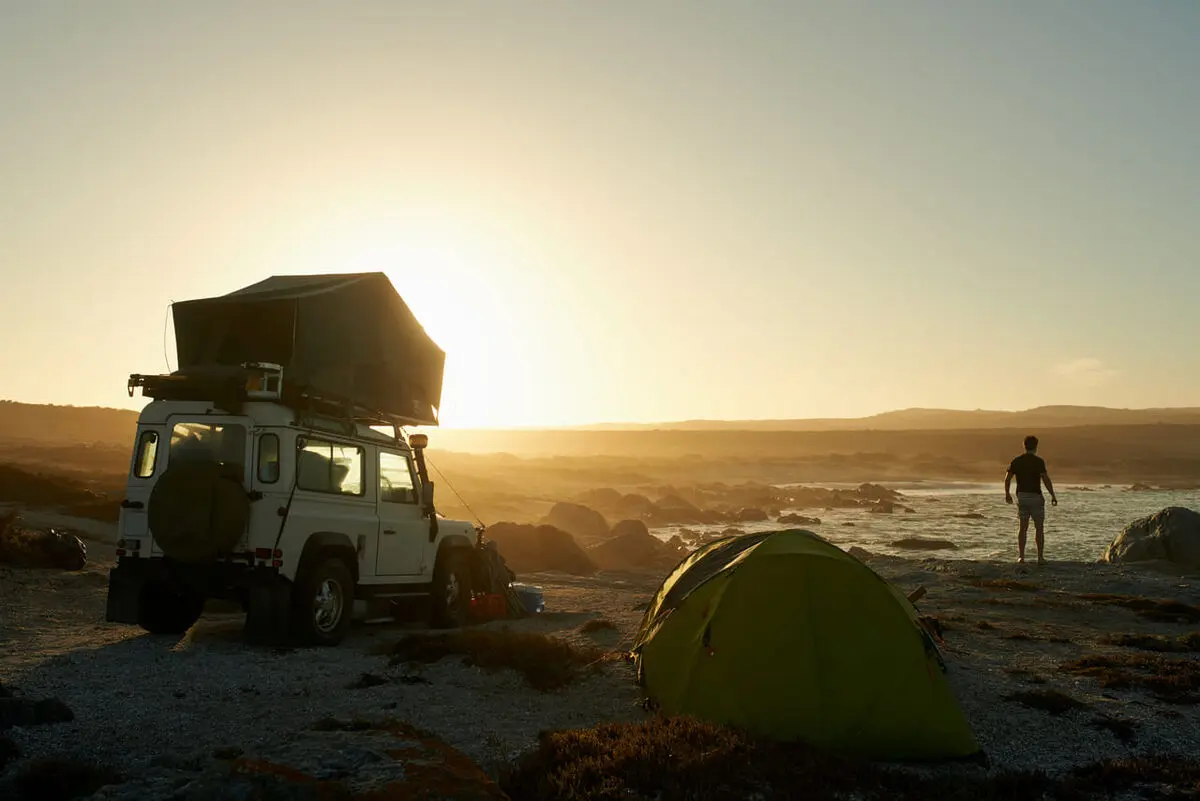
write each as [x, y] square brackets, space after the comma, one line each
[298, 497]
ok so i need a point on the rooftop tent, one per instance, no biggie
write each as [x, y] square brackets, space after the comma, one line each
[350, 337]
[787, 636]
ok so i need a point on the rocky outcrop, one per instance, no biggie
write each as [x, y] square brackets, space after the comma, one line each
[922, 544]
[750, 514]
[52, 548]
[1172, 535]
[533, 549]
[632, 546]
[585, 524]
[799, 520]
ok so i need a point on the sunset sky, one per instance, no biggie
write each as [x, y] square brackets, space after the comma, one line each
[628, 211]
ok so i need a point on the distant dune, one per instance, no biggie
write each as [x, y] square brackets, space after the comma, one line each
[937, 419]
[61, 425]
[1081, 444]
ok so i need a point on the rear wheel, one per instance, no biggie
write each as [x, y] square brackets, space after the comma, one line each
[322, 602]
[165, 610]
[451, 590]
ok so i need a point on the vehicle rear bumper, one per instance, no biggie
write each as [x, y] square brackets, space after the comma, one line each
[226, 580]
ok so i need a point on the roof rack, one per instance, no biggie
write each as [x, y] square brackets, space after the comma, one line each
[263, 381]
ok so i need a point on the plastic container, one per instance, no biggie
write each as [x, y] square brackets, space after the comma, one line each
[531, 597]
[488, 607]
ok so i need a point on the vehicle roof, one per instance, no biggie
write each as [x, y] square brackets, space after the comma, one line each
[262, 414]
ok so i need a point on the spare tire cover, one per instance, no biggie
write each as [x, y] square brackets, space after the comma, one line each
[197, 511]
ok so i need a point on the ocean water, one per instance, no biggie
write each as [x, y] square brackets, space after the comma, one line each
[1078, 529]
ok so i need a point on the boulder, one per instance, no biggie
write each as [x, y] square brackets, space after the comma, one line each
[603, 498]
[1172, 535]
[883, 508]
[23, 712]
[970, 516]
[750, 514]
[633, 506]
[581, 522]
[632, 546]
[875, 492]
[9, 752]
[1140, 488]
[533, 549]
[922, 544]
[53, 548]
[799, 520]
[861, 554]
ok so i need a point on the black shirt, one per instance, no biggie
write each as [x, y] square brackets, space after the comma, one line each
[1028, 468]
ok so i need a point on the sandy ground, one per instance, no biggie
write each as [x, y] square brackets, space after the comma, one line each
[138, 697]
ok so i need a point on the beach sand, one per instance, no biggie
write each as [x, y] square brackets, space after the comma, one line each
[1009, 630]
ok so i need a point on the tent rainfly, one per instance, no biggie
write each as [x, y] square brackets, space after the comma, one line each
[786, 636]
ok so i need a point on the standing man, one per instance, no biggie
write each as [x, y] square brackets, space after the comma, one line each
[1030, 471]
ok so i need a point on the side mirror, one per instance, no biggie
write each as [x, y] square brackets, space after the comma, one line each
[427, 495]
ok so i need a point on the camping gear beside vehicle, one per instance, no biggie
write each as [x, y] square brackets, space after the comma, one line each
[786, 636]
[488, 606]
[531, 597]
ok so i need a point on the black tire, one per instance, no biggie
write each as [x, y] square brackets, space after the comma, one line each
[323, 603]
[165, 610]
[451, 595]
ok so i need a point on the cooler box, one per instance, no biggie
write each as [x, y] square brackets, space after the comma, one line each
[531, 596]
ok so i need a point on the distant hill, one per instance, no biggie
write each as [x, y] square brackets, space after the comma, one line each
[937, 420]
[62, 425]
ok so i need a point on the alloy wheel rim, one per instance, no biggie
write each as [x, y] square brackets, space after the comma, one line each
[327, 606]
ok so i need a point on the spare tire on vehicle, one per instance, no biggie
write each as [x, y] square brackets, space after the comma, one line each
[198, 511]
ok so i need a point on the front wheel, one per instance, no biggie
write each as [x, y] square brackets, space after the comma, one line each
[451, 591]
[165, 610]
[322, 602]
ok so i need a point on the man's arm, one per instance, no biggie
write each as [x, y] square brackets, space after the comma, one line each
[1008, 477]
[1050, 486]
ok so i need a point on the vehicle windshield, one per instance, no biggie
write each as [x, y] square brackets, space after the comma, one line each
[209, 442]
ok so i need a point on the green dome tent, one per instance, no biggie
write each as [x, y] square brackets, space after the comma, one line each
[787, 636]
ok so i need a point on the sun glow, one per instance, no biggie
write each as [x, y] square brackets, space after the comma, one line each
[454, 282]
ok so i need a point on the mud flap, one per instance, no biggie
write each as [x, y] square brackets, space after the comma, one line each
[268, 612]
[124, 590]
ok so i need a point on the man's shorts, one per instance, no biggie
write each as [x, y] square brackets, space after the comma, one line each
[1031, 504]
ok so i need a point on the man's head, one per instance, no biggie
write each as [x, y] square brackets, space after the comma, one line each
[1031, 443]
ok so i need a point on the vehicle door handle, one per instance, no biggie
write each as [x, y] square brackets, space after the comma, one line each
[128, 504]
[389, 531]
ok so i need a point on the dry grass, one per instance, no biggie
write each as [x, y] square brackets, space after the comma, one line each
[1004, 584]
[1051, 701]
[547, 663]
[1187, 643]
[1152, 609]
[594, 626]
[1176, 681]
[675, 759]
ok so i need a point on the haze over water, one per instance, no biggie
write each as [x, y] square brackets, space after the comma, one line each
[1078, 529]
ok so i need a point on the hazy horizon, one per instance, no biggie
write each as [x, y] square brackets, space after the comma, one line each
[623, 214]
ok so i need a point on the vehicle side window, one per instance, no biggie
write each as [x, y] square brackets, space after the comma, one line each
[147, 453]
[396, 479]
[268, 458]
[323, 466]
